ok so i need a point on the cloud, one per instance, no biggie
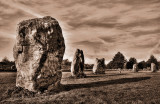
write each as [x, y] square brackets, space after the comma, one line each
[108, 39]
[21, 7]
[149, 22]
[91, 24]
[88, 43]
[155, 49]
[94, 46]
[139, 33]
[100, 28]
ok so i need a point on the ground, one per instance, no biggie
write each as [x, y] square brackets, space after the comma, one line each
[110, 88]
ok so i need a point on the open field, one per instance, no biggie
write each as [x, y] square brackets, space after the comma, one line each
[110, 88]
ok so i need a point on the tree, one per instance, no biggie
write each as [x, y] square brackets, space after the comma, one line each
[66, 62]
[5, 59]
[117, 61]
[109, 65]
[142, 65]
[152, 59]
[131, 62]
[158, 65]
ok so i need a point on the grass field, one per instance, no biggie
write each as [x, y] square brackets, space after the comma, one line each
[110, 88]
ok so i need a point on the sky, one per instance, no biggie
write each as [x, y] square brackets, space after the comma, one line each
[101, 28]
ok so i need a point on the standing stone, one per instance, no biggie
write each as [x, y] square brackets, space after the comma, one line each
[153, 67]
[77, 66]
[125, 65]
[99, 66]
[13, 68]
[38, 53]
[135, 68]
[119, 69]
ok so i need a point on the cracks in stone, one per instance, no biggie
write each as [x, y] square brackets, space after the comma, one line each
[41, 64]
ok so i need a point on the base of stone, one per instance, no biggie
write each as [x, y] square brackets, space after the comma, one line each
[79, 75]
[98, 72]
[135, 71]
[18, 92]
[21, 92]
[153, 71]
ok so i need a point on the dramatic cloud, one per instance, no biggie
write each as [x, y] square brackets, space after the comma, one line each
[101, 28]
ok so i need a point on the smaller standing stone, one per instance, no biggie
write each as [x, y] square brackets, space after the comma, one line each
[77, 66]
[119, 69]
[125, 65]
[135, 68]
[153, 67]
[99, 66]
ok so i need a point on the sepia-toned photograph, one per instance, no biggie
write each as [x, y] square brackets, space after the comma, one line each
[79, 51]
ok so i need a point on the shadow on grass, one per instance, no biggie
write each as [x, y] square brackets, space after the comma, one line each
[20, 92]
[103, 75]
[103, 83]
[117, 74]
[92, 76]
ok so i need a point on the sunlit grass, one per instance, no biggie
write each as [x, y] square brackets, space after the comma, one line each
[112, 88]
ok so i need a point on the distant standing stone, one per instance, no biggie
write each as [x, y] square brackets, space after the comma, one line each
[119, 70]
[125, 65]
[99, 66]
[77, 66]
[38, 54]
[153, 67]
[135, 68]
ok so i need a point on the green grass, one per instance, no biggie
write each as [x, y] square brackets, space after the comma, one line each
[110, 88]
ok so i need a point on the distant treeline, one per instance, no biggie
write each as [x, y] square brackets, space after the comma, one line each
[7, 66]
[119, 61]
[66, 65]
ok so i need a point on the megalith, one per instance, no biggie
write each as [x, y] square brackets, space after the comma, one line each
[38, 54]
[77, 65]
[99, 66]
[153, 67]
[135, 68]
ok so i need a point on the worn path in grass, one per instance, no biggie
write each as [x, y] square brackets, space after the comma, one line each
[110, 88]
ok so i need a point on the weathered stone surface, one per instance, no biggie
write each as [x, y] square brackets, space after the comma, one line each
[38, 54]
[99, 66]
[135, 68]
[77, 66]
[153, 67]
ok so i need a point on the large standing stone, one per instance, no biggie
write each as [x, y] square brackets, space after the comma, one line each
[99, 66]
[77, 66]
[135, 68]
[153, 67]
[38, 54]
